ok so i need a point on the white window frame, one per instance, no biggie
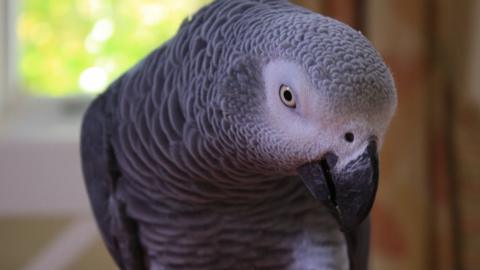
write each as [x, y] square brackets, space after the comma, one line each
[8, 52]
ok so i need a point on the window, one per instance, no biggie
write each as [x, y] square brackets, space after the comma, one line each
[75, 47]
[56, 55]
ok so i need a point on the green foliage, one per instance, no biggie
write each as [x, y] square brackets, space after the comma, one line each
[78, 46]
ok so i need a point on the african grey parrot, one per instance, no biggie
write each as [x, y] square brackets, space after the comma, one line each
[247, 141]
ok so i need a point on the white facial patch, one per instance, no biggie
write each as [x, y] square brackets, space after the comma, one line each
[314, 127]
[295, 123]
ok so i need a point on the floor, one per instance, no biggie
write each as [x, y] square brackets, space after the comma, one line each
[51, 242]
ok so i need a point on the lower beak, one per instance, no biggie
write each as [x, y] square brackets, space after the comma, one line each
[348, 193]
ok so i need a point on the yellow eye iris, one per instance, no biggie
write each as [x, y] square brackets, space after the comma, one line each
[287, 97]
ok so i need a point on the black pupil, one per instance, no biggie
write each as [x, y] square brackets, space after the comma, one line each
[287, 95]
[349, 137]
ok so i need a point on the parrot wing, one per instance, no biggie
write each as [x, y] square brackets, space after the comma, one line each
[102, 179]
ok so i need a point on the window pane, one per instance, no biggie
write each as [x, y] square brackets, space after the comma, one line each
[78, 46]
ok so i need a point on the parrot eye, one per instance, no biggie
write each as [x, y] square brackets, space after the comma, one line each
[287, 97]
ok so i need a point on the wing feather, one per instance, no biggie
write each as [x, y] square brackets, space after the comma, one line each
[104, 187]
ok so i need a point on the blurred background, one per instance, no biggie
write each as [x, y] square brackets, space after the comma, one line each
[55, 56]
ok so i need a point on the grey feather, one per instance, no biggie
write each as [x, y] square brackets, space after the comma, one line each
[184, 170]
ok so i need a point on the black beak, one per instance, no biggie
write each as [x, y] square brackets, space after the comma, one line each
[348, 193]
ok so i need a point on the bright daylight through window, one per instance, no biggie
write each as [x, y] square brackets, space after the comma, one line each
[73, 47]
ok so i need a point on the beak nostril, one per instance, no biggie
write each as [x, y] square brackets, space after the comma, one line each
[349, 137]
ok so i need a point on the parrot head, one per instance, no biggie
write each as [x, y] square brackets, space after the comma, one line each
[310, 96]
[332, 128]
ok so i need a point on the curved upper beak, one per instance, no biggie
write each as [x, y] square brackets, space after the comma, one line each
[349, 193]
